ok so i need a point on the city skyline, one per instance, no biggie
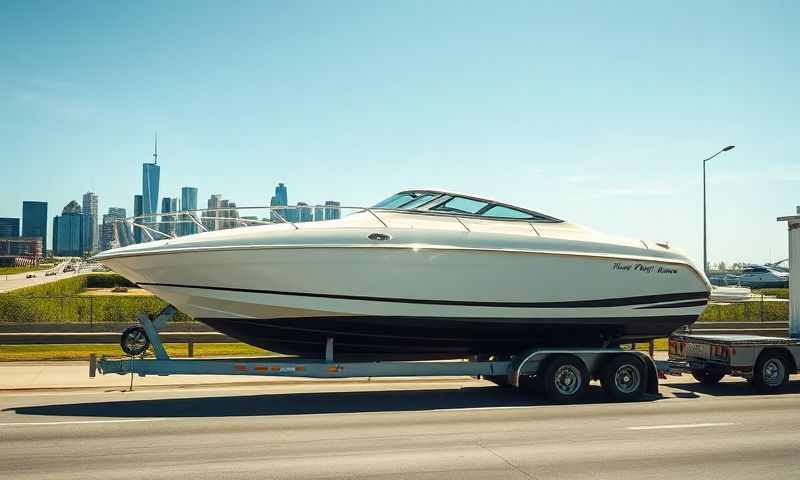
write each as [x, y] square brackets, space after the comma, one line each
[589, 114]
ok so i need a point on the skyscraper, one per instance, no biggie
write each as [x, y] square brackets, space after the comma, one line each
[34, 221]
[9, 227]
[167, 223]
[209, 219]
[280, 199]
[114, 231]
[303, 212]
[319, 213]
[68, 230]
[90, 211]
[137, 212]
[332, 210]
[188, 202]
[151, 173]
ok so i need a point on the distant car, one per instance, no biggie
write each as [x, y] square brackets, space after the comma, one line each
[30, 275]
[50, 274]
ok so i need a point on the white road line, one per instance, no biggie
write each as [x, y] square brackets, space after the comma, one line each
[79, 422]
[686, 425]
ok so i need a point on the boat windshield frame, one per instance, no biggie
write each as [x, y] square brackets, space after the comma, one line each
[439, 198]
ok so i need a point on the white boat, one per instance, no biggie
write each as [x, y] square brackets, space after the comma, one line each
[758, 276]
[423, 274]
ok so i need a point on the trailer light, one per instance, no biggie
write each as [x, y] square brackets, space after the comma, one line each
[240, 367]
[333, 369]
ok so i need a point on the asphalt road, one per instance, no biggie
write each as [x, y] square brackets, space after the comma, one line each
[438, 430]
[19, 280]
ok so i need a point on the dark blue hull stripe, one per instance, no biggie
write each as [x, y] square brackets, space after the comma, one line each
[698, 303]
[604, 302]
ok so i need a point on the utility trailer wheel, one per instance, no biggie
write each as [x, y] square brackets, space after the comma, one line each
[134, 341]
[771, 373]
[565, 379]
[623, 378]
[707, 378]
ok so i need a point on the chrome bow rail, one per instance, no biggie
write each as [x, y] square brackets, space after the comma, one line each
[165, 225]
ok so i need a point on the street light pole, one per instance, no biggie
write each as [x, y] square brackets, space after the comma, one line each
[705, 215]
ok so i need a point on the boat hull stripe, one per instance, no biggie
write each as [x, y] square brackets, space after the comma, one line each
[604, 302]
[698, 303]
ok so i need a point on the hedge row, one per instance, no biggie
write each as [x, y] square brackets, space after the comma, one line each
[747, 312]
[58, 302]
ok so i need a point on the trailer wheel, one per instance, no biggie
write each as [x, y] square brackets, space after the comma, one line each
[707, 378]
[771, 373]
[134, 341]
[623, 378]
[565, 379]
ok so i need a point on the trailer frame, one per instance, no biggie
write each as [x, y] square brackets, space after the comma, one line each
[517, 371]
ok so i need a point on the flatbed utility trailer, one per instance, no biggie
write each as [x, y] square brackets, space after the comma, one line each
[563, 374]
[766, 362]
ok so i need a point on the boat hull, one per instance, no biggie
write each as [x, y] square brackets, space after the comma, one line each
[416, 302]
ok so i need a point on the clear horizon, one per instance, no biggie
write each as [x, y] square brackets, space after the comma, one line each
[597, 114]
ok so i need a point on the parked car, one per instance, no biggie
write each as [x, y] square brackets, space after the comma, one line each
[30, 275]
[50, 274]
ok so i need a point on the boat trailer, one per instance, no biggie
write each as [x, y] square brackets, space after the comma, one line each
[562, 373]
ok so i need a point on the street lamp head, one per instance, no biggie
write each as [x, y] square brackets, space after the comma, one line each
[729, 147]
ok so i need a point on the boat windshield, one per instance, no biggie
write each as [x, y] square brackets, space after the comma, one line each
[441, 202]
[406, 200]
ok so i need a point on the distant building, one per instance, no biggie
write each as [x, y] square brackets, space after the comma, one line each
[114, 231]
[167, 224]
[19, 251]
[319, 213]
[150, 178]
[137, 212]
[68, 230]
[281, 199]
[9, 227]
[332, 210]
[209, 216]
[34, 220]
[304, 212]
[188, 202]
[90, 233]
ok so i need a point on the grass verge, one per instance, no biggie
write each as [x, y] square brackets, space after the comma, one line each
[30, 268]
[14, 353]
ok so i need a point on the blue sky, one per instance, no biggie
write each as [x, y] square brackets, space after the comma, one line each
[595, 112]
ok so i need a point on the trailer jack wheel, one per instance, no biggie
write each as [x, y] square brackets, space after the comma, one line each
[134, 341]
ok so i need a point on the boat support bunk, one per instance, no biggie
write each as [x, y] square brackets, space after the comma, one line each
[561, 374]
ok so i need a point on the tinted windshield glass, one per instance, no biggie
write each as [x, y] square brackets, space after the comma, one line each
[461, 205]
[421, 200]
[396, 201]
[500, 211]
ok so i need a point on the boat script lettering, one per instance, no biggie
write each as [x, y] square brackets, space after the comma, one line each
[641, 267]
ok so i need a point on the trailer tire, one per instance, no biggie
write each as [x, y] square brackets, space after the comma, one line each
[771, 372]
[565, 379]
[707, 378]
[134, 341]
[623, 378]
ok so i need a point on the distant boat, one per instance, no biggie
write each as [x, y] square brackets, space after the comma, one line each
[762, 276]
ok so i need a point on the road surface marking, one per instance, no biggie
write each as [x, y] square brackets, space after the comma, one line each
[79, 422]
[685, 425]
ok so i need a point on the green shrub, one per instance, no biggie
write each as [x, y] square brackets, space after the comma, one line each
[776, 292]
[747, 312]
